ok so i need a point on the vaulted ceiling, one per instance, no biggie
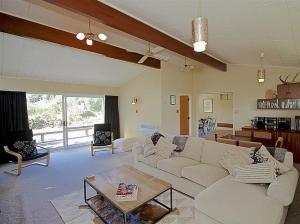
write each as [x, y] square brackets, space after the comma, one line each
[238, 31]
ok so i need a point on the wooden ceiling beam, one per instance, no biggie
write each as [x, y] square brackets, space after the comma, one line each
[20, 27]
[105, 14]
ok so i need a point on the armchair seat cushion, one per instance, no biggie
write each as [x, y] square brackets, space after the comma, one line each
[35, 156]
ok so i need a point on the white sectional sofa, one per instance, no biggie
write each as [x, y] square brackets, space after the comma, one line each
[218, 198]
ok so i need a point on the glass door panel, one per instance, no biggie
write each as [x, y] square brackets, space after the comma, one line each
[45, 113]
[81, 115]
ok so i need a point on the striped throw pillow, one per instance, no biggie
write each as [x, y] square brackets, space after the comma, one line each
[260, 173]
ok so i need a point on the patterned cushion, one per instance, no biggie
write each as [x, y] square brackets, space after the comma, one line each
[27, 149]
[102, 138]
[155, 137]
[262, 155]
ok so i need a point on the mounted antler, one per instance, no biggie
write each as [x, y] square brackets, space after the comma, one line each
[284, 81]
[286, 78]
[294, 79]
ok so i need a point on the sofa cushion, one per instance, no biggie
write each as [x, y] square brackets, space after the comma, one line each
[204, 174]
[214, 151]
[164, 148]
[193, 148]
[283, 189]
[235, 158]
[149, 160]
[231, 202]
[175, 165]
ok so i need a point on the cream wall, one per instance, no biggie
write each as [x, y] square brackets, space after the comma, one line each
[222, 109]
[241, 80]
[36, 86]
[147, 88]
[153, 89]
[174, 82]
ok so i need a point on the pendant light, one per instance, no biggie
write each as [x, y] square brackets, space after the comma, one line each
[200, 32]
[90, 36]
[261, 72]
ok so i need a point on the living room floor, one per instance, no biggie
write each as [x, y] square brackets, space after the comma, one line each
[25, 199]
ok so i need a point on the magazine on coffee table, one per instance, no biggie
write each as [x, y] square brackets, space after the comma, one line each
[126, 192]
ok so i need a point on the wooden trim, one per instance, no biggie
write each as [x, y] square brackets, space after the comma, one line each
[105, 14]
[21, 27]
[225, 125]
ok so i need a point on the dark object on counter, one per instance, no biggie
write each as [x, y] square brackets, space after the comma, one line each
[259, 122]
[284, 124]
[271, 123]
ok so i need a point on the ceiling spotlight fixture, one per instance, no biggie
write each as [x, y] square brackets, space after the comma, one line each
[80, 36]
[89, 42]
[102, 36]
[261, 72]
[200, 32]
[90, 36]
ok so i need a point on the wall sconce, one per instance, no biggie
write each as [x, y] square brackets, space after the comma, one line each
[134, 100]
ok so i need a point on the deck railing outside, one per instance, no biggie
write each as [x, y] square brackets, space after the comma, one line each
[78, 134]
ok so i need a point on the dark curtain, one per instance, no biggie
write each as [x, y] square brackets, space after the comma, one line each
[13, 117]
[112, 114]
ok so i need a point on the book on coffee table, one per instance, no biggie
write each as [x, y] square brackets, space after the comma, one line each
[126, 192]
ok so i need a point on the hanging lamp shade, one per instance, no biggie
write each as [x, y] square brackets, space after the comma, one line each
[261, 75]
[261, 72]
[200, 33]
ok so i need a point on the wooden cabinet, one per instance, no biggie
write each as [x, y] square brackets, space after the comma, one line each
[291, 90]
[292, 143]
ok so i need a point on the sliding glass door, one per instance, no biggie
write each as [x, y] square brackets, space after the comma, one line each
[45, 113]
[63, 121]
[82, 113]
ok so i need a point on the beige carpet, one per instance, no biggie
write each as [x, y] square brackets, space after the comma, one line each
[67, 207]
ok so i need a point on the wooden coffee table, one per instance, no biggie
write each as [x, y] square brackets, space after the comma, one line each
[105, 186]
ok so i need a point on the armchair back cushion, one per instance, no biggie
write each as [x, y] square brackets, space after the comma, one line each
[22, 142]
[102, 134]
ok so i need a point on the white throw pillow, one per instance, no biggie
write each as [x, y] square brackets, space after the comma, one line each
[281, 167]
[149, 150]
[165, 148]
[235, 158]
[147, 141]
[259, 173]
[148, 147]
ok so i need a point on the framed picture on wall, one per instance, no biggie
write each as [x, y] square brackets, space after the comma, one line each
[172, 100]
[208, 105]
